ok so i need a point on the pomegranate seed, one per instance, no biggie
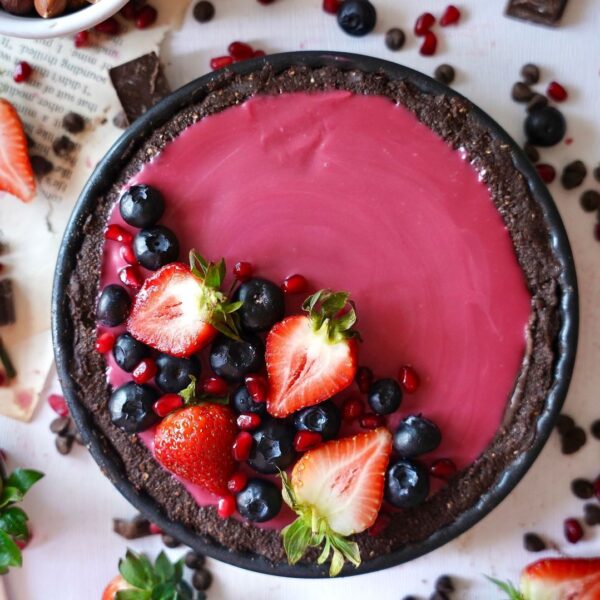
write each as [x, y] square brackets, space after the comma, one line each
[215, 386]
[237, 482]
[364, 379]
[58, 405]
[352, 409]
[127, 254]
[257, 387]
[557, 92]
[240, 51]
[371, 421]
[248, 422]
[167, 404]
[242, 271]
[305, 440]
[220, 61]
[131, 277]
[242, 446]
[22, 72]
[429, 44]
[331, 6]
[266, 1]
[546, 172]
[145, 371]
[424, 23]
[155, 529]
[130, 11]
[294, 284]
[443, 468]
[451, 16]
[259, 53]
[226, 506]
[81, 39]
[116, 233]
[381, 524]
[573, 530]
[597, 487]
[146, 17]
[109, 27]
[409, 379]
[104, 342]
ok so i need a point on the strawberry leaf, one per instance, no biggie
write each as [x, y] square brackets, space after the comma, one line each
[164, 568]
[508, 588]
[296, 539]
[13, 521]
[333, 313]
[23, 479]
[189, 393]
[137, 570]
[10, 495]
[10, 555]
[133, 595]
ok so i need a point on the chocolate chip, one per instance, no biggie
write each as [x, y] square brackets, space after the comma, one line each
[582, 488]
[201, 579]
[64, 443]
[204, 11]
[41, 166]
[79, 439]
[444, 74]
[597, 173]
[444, 583]
[63, 146]
[565, 424]
[530, 73]
[544, 12]
[7, 303]
[573, 441]
[532, 542]
[169, 541]
[537, 101]
[193, 560]
[120, 120]
[521, 92]
[137, 527]
[531, 152]
[573, 175]
[590, 201]
[595, 428]
[59, 425]
[73, 122]
[395, 38]
[591, 514]
[72, 428]
[30, 141]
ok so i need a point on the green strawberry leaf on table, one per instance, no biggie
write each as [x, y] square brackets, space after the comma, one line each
[512, 593]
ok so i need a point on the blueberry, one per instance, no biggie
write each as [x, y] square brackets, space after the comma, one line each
[128, 352]
[406, 484]
[322, 418]
[273, 447]
[263, 306]
[357, 17]
[156, 247]
[416, 435]
[260, 501]
[173, 374]
[130, 407]
[545, 126]
[234, 359]
[384, 396]
[243, 402]
[141, 206]
[113, 305]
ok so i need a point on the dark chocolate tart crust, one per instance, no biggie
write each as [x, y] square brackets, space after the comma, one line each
[540, 246]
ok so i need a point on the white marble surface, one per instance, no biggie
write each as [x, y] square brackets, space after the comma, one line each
[74, 553]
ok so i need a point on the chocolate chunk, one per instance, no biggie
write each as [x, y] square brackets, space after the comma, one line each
[530, 73]
[537, 101]
[582, 488]
[444, 583]
[444, 74]
[573, 441]
[59, 425]
[193, 560]
[595, 428]
[597, 173]
[41, 166]
[532, 542]
[133, 529]
[64, 443]
[565, 424]
[204, 11]
[394, 39]
[591, 514]
[532, 153]
[521, 92]
[201, 579]
[140, 84]
[590, 201]
[120, 120]
[73, 122]
[573, 175]
[544, 12]
[7, 303]
[63, 146]
[169, 541]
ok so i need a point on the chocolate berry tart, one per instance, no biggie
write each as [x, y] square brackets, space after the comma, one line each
[317, 316]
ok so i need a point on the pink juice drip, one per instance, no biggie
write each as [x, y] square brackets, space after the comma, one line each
[356, 194]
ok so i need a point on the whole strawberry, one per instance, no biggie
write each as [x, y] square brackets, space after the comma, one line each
[195, 443]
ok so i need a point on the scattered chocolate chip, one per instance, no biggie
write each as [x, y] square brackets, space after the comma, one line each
[590, 201]
[41, 166]
[79, 439]
[565, 424]
[204, 11]
[169, 541]
[395, 38]
[194, 560]
[521, 92]
[133, 529]
[439, 596]
[63, 146]
[444, 74]
[573, 441]
[544, 12]
[444, 583]
[582, 488]
[537, 101]
[59, 425]
[530, 73]
[591, 514]
[64, 443]
[573, 175]
[597, 173]
[201, 579]
[595, 428]
[73, 122]
[120, 120]
[532, 542]
[7, 303]
[531, 152]
[30, 141]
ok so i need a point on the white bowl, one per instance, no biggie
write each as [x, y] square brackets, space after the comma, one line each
[37, 28]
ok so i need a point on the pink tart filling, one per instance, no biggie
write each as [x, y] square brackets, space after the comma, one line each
[354, 193]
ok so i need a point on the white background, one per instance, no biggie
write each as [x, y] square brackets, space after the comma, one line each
[74, 552]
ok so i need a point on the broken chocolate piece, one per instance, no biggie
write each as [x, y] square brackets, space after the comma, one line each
[41, 166]
[73, 122]
[63, 146]
[136, 528]
[7, 303]
[140, 84]
[544, 12]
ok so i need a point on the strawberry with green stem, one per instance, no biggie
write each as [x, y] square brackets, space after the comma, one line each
[336, 490]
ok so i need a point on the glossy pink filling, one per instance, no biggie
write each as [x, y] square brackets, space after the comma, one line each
[356, 194]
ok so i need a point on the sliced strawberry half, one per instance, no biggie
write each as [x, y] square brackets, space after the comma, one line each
[179, 309]
[336, 490]
[16, 174]
[311, 357]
